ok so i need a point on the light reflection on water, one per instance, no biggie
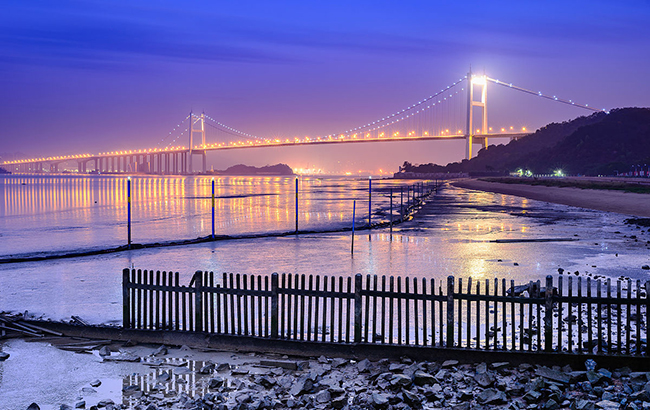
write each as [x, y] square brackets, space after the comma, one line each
[41, 214]
[453, 235]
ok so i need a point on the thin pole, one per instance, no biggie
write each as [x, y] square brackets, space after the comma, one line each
[391, 214]
[401, 202]
[354, 208]
[128, 208]
[296, 204]
[370, 202]
[212, 208]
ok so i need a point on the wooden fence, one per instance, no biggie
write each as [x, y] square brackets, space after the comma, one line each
[568, 314]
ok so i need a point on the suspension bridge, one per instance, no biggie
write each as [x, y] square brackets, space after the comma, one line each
[444, 115]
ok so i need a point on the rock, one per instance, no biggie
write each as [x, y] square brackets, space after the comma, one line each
[364, 366]
[222, 367]
[215, 382]
[105, 403]
[449, 363]
[422, 378]
[582, 404]
[594, 377]
[339, 402]
[33, 406]
[400, 380]
[163, 377]
[239, 372]
[551, 405]
[491, 396]
[380, 399]
[267, 381]
[608, 405]
[338, 362]
[279, 363]
[65, 407]
[105, 351]
[88, 390]
[301, 386]
[486, 379]
[532, 396]
[499, 365]
[160, 351]
[4, 356]
[123, 357]
[95, 383]
[462, 406]
[553, 375]
[645, 267]
[207, 368]
[80, 404]
[323, 396]
[130, 390]
[411, 398]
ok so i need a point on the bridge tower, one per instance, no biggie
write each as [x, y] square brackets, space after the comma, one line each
[197, 119]
[471, 131]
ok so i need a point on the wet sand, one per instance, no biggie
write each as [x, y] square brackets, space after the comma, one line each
[626, 203]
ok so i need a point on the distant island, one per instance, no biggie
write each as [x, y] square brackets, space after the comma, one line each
[4, 171]
[600, 144]
[246, 170]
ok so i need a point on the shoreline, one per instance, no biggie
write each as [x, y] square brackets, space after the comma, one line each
[626, 203]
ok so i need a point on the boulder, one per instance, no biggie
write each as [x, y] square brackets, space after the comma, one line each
[492, 396]
[422, 378]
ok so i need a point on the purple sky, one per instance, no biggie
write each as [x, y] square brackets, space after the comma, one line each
[91, 76]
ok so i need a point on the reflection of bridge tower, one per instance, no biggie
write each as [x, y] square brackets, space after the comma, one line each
[194, 119]
[475, 135]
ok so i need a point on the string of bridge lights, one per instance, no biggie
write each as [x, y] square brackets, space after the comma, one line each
[386, 118]
[548, 97]
[236, 131]
[443, 100]
[172, 131]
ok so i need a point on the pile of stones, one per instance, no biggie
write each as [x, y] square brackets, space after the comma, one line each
[334, 383]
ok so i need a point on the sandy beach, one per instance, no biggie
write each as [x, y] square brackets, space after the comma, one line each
[602, 200]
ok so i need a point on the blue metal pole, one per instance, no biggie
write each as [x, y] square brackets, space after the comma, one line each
[370, 202]
[354, 207]
[296, 204]
[212, 208]
[128, 208]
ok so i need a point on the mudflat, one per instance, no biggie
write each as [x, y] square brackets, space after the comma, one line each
[626, 203]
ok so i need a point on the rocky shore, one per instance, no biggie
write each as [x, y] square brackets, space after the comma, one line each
[267, 382]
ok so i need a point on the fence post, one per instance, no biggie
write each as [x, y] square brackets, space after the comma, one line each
[274, 305]
[126, 299]
[198, 301]
[450, 311]
[357, 308]
[548, 315]
[647, 310]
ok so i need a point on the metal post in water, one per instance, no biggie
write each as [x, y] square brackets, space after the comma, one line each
[212, 208]
[370, 202]
[128, 209]
[354, 208]
[401, 202]
[391, 214]
[296, 204]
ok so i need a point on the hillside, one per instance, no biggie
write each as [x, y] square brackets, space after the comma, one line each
[598, 144]
[240, 169]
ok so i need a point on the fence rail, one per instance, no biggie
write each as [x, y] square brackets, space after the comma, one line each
[568, 314]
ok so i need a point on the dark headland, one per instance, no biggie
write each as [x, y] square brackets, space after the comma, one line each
[599, 144]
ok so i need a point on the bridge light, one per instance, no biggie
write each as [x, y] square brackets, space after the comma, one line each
[503, 129]
[523, 128]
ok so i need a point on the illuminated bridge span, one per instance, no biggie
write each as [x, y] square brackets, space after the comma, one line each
[444, 115]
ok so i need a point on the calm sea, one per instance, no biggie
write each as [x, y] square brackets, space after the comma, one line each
[458, 232]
